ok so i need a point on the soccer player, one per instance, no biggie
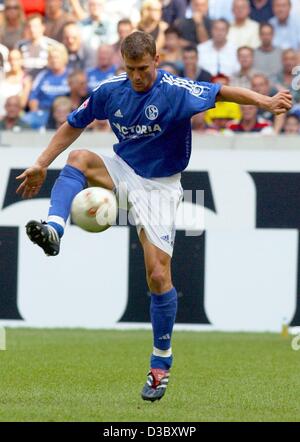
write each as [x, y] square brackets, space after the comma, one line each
[149, 111]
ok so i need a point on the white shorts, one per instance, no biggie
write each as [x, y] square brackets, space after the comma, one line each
[152, 203]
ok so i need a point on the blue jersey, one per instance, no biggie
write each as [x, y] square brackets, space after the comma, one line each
[47, 86]
[95, 75]
[153, 127]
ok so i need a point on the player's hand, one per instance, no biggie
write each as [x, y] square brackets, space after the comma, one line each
[280, 103]
[32, 180]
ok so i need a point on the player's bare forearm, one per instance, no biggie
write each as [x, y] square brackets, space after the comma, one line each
[62, 139]
[241, 95]
[278, 104]
[33, 178]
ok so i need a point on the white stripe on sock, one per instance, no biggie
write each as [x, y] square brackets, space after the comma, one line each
[56, 219]
[162, 353]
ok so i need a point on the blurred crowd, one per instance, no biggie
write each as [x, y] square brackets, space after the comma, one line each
[53, 53]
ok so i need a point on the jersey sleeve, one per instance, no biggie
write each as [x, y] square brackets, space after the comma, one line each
[94, 107]
[191, 97]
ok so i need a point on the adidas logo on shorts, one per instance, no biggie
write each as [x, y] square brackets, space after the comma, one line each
[165, 238]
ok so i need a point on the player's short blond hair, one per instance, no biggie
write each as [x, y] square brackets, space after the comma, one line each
[137, 44]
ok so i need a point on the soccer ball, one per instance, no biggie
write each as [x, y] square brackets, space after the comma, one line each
[94, 209]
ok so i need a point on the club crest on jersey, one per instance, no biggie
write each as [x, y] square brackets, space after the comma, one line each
[151, 112]
[84, 104]
[196, 90]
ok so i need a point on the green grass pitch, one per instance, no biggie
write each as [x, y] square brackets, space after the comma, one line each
[97, 375]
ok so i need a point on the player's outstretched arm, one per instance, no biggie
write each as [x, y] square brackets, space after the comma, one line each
[278, 104]
[32, 178]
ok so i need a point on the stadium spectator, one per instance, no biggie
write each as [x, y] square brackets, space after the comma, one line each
[218, 54]
[286, 27]
[120, 70]
[105, 68]
[250, 122]
[12, 27]
[3, 57]
[96, 30]
[260, 83]
[48, 85]
[220, 9]
[197, 28]
[242, 78]
[152, 23]
[55, 19]
[224, 112]
[35, 47]
[261, 10]
[100, 126]
[291, 125]
[170, 67]
[172, 50]
[77, 9]
[243, 31]
[286, 78]
[117, 10]
[34, 7]
[77, 81]
[80, 56]
[15, 81]
[12, 118]
[191, 65]
[173, 10]
[199, 125]
[1, 67]
[124, 28]
[60, 109]
[267, 58]
[295, 8]
[221, 118]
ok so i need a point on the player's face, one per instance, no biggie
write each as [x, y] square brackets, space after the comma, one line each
[141, 72]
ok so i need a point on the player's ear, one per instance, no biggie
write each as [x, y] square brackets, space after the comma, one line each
[156, 60]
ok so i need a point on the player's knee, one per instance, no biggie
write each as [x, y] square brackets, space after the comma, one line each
[158, 278]
[79, 158]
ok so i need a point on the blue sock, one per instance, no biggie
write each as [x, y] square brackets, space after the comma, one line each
[163, 310]
[70, 182]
